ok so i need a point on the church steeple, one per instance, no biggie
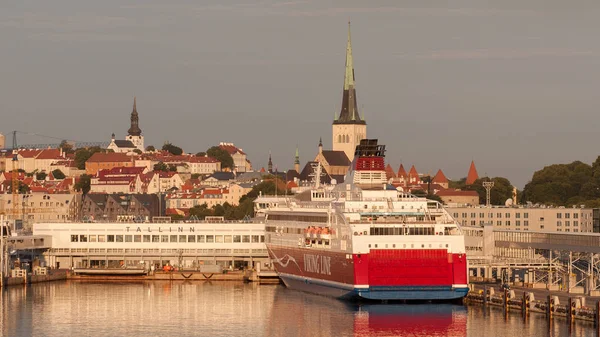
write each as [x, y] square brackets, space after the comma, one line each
[349, 113]
[270, 164]
[297, 161]
[134, 130]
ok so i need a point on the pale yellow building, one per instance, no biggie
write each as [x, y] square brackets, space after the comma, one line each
[553, 219]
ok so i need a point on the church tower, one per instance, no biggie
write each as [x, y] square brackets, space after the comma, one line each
[297, 161]
[348, 128]
[134, 134]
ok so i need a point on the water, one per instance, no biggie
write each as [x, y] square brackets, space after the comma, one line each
[234, 309]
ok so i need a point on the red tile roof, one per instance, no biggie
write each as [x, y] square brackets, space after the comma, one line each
[389, 172]
[109, 157]
[440, 178]
[412, 174]
[232, 149]
[472, 175]
[50, 154]
[402, 172]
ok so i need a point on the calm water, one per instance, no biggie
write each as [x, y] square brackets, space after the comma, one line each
[236, 309]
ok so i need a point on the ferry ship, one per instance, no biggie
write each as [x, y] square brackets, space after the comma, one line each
[364, 239]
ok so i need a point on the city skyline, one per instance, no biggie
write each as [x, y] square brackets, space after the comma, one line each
[511, 88]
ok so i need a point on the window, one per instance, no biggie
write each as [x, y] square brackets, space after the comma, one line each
[191, 238]
[146, 238]
[559, 223]
[210, 238]
[137, 238]
[518, 215]
[228, 239]
[575, 215]
[262, 238]
[507, 215]
[541, 226]
[237, 238]
[182, 238]
[93, 238]
[491, 215]
[200, 238]
[499, 223]
[508, 222]
[498, 215]
[472, 215]
[219, 238]
[567, 223]
[82, 238]
[255, 239]
[173, 238]
[101, 238]
[518, 223]
[526, 215]
[526, 223]
[558, 215]
[75, 238]
[119, 238]
[567, 215]
[481, 215]
[246, 238]
[155, 238]
[110, 238]
[128, 238]
[575, 223]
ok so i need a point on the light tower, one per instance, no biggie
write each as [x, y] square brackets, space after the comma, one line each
[488, 188]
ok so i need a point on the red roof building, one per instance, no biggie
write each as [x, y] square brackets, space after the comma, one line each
[472, 175]
[440, 179]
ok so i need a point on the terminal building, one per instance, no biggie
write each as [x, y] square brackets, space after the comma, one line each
[524, 218]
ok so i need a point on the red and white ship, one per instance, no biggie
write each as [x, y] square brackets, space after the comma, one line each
[366, 239]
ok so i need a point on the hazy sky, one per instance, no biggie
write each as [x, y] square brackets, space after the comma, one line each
[510, 84]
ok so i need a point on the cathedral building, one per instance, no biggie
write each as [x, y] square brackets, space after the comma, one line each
[134, 139]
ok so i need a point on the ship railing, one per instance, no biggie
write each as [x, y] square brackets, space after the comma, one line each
[396, 222]
[103, 221]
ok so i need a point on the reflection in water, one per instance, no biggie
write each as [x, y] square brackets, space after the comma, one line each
[233, 309]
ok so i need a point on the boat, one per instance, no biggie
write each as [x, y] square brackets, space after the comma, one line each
[365, 239]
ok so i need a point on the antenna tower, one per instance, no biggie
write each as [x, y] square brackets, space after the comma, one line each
[488, 188]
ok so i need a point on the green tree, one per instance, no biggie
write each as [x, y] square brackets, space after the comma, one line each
[562, 184]
[172, 149]
[83, 184]
[201, 211]
[66, 146]
[160, 166]
[201, 154]
[221, 155]
[58, 174]
[137, 151]
[22, 189]
[41, 176]
[195, 175]
[150, 148]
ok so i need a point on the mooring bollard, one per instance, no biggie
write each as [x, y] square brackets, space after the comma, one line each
[485, 296]
[525, 303]
[505, 300]
[550, 307]
[570, 311]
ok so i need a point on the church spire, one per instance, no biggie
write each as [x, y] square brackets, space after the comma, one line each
[270, 164]
[349, 113]
[134, 130]
[297, 161]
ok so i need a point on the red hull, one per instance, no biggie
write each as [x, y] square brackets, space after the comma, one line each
[418, 270]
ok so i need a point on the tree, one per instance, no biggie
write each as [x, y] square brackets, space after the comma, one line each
[41, 176]
[58, 174]
[195, 175]
[562, 184]
[172, 168]
[22, 189]
[160, 166]
[83, 184]
[201, 154]
[221, 155]
[150, 148]
[172, 149]
[66, 147]
[137, 151]
[201, 211]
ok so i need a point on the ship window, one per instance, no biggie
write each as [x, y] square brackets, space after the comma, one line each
[394, 245]
[422, 246]
[155, 238]
[163, 238]
[262, 238]
[191, 238]
[237, 238]
[210, 238]
[101, 238]
[200, 238]
[119, 238]
[110, 238]
[246, 238]
[74, 238]
[146, 238]
[369, 245]
[93, 238]
[182, 238]
[386, 245]
[219, 238]
[173, 238]
[365, 233]
[404, 245]
[375, 245]
[255, 238]
[83, 238]
[446, 245]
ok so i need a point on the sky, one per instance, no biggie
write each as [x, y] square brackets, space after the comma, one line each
[512, 85]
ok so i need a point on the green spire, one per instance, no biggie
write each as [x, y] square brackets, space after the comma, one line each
[297, 159]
